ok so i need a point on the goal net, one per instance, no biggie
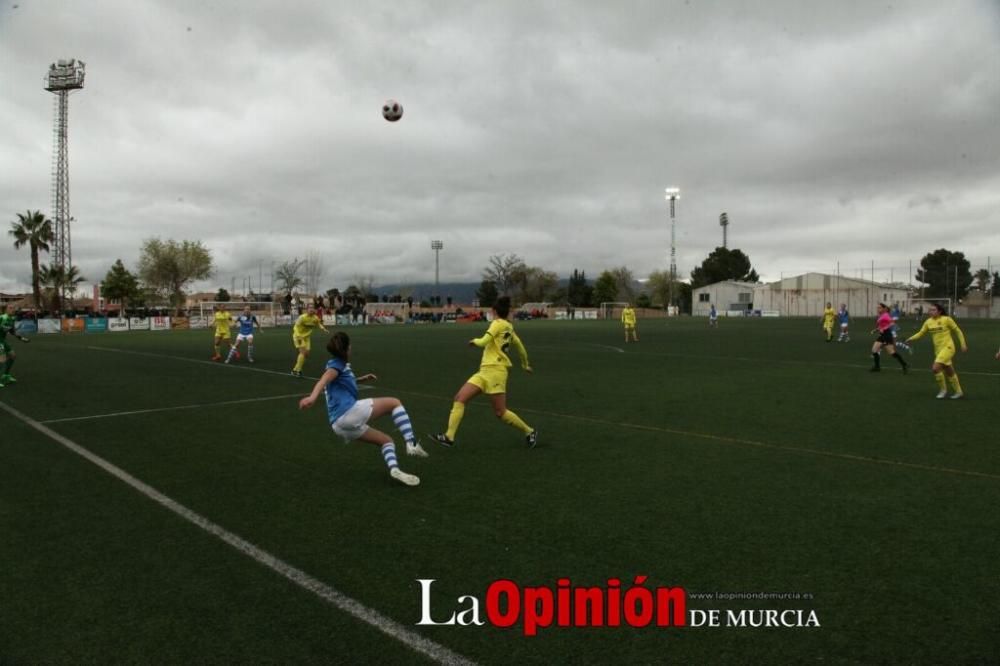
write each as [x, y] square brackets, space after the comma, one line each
[268, 313]
[387, 313]
[611, 309]
[918, 307]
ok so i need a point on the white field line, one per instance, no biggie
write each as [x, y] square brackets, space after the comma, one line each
[361, 387]
[170, 409]
[386, 625]
[733, 440]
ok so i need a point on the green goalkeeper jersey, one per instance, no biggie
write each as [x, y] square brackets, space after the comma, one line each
[6, 326]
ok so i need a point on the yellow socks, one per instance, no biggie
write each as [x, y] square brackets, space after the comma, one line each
[955, 386]
[455, 418]
[301, 361]
[939, 378]
[512, 419]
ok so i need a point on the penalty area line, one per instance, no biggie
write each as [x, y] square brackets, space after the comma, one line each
[171, 409]
[356, 609]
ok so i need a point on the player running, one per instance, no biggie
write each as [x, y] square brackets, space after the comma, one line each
[940, 326]
[7, 355]
[883, 326]
[301, 332]
[245, 322]
[492, 376]
[829, 314]
[713, 317]
[628, 321]
[896, 314]
[349, 416]
[223, 322]
[844, 317]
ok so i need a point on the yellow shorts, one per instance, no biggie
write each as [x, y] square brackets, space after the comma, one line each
[828, 327]
[222, 333]
[945, 355]
[490, 380]
[629, 327]
[301, 341]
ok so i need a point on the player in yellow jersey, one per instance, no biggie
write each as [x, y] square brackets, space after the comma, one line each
[301, 332]
[829, 315]
[628, 321]
[492, 376]
[222, 322]
[941, 326]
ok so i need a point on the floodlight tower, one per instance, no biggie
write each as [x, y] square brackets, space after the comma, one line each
[437, 246]
[672, 195]
[724, 223]
[62, 78]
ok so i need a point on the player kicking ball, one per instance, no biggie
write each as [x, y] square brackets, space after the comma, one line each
[7, 355]
[349, 416]
[246, 323]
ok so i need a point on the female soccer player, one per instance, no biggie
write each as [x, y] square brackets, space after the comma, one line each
[492, 376]
[628, 321]
[246, 323]
[883, 326]
[844, 317]
[7, 355]
[940, 326]
[301, 333]
[222, 323]
[349, 416]
[828, 316]
[713, 317]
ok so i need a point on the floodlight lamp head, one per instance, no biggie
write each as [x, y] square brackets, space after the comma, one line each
[437, 245]
[673, 193]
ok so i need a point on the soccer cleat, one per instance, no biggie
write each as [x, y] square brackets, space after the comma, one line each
[8, 379]
[531, 438]
[941, 394]
[443, 439]
[416, 450]
[296, 373]
[403, 477]
[250, 360]
[226, 361]
[216, 357]
[957, 396]
[906, 369]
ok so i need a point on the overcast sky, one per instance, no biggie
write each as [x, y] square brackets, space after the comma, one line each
[829, 132]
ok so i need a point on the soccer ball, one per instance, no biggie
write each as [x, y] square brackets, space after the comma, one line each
[392, 110]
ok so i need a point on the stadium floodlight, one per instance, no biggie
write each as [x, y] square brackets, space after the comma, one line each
[437, 246]
[672, 195]
[724, 223]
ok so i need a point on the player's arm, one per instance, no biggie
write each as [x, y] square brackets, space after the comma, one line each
[328, 376]
[961, 336]
[369, 377]
[919, 334]
[521, 351]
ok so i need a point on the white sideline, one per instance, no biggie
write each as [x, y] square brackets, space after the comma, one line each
[388, 626]
[361, 387]
[170, 409]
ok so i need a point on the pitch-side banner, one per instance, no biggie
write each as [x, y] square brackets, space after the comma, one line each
[198, 322]
[180, 323]
[159, 323]
[96, 324]
[138, 324]
[49, 326]
[25, 327]
[117, 324]
[73, 326]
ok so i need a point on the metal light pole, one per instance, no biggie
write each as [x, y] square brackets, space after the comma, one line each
[672, 195]
[437, 246]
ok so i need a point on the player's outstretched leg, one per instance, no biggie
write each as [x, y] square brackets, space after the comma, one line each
[466, 393]
[401, 419]
[384, 442]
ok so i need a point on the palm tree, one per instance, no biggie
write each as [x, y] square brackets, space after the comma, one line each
[59, 280]
[34, 230]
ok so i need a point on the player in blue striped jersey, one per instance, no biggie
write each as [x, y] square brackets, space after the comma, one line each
[246, 322]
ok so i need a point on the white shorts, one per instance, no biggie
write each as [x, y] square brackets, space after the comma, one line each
[353, 423]
[240, 338]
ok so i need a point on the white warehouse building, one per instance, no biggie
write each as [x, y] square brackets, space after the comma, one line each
[807, 295]
[727, 296]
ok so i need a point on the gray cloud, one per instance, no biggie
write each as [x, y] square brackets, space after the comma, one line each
[838, 132]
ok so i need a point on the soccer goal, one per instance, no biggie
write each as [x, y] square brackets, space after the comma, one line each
[918, 307]
[387, 313]
[612, 309]
[267, 312]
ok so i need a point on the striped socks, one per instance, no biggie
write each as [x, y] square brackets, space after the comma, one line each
[402, 421]
[389, 453]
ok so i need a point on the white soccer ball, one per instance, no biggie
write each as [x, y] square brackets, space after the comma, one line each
[392, 110]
